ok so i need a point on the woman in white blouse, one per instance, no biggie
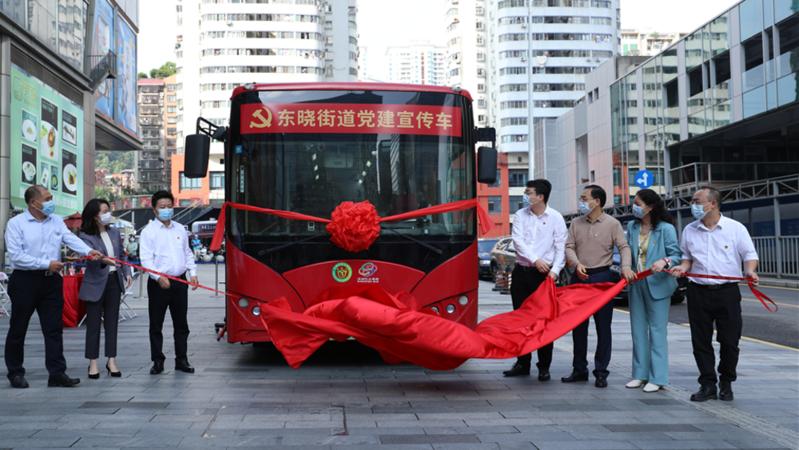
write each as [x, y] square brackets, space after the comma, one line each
[103, 284]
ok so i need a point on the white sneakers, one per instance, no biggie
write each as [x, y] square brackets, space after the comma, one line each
[634, 384]
[650, 387]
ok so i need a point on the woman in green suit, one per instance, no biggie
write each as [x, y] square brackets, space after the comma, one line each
[653, 244]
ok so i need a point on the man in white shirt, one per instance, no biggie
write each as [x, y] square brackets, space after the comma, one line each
[539, 237]
[34, 239]
[715, 245]
[164, 247]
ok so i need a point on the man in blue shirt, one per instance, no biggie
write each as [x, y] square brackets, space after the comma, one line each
[33, 240]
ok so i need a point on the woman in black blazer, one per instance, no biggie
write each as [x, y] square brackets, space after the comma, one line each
[103, 284]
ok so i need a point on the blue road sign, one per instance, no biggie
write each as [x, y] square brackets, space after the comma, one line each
[644, 179]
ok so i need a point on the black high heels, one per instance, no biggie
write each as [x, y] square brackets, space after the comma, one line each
[92, 376]
[113, 374]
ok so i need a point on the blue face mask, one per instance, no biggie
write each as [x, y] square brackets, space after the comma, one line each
[48, 207]
[525, 201]
[698, 211]
[584, 208]
[165, 214]
[638, 212]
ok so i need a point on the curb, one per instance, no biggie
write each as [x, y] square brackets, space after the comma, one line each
[774, 282]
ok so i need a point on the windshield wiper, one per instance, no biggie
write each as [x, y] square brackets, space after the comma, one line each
[424, 244]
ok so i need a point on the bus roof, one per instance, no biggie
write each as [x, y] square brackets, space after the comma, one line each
[351, 86]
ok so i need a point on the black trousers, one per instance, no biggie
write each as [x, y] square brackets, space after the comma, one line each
[34, 291]
[722, 307]
[176, 299]
[604, 336]
[525, 281]
[107, 309]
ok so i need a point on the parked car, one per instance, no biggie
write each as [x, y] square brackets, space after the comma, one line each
[503, 256]
[484, 247]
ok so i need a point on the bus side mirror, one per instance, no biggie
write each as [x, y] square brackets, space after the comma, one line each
[487, 165]
[197, 150]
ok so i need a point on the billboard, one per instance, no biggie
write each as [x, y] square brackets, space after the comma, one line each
[46, 143]
[102, 43]
[126, 76]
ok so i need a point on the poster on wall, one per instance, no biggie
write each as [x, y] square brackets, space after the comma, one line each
[46, 144]
[126, 76]
[102, 43]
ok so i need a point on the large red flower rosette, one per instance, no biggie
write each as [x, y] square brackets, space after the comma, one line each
[354, 227]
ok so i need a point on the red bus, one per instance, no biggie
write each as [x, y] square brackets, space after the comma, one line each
[306, 148]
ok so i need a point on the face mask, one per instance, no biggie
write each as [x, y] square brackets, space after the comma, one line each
[698, 211]
[525, 201]
[584, 208]
[165, 214]
[106, 218]
[48, 207]
[638, 212]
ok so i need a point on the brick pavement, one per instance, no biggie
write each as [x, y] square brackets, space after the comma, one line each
[345, 397]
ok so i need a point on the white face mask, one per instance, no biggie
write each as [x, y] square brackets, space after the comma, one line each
[106, 218]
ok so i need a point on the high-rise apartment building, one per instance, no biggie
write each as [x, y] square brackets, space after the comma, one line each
[417, 64]
[150, 162]
[467, 52]
[222, 44]
[646, 43]
[542, 50]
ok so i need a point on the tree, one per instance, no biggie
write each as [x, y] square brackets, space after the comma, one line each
[168, 69]
[142, 75]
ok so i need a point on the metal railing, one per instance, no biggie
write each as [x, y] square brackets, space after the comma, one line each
[688, 178]
[779, 255]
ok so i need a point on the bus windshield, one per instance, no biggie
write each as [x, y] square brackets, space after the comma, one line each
[312, 174]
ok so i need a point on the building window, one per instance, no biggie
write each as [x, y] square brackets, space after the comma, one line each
[189, 183]
[517, 177]
[217, 180]
[495, 204]
[516, 202]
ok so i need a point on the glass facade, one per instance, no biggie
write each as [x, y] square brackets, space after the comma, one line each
[680, 106]
[59, 24]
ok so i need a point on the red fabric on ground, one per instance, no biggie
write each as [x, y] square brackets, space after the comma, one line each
[381, 321]
[74, 309]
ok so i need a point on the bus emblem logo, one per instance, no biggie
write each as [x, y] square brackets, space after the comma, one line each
[368, 269]
[342, 272]
[263, 121]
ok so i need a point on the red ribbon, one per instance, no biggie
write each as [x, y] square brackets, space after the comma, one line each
[764, 299]
[353, 226]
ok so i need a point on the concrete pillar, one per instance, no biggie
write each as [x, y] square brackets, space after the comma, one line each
[5, 142]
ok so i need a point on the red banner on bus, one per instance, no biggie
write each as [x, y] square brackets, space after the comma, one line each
[349, 118]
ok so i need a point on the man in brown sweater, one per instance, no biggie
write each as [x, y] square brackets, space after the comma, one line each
[589, 250]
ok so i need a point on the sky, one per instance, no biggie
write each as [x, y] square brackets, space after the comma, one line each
[383, 23]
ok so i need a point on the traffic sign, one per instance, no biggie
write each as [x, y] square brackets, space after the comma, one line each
[644, 179]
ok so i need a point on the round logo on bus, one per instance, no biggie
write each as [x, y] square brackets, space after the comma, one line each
[342, 272]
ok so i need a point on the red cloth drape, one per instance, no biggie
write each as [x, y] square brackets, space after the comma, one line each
[74, 309]
[383, 322]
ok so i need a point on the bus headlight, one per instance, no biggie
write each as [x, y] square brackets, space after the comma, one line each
[436, 310]
[463, 300]
[256, 311]
[243, 302]
[450, 309]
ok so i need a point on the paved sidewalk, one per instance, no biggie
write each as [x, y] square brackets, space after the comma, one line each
[346, 398]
